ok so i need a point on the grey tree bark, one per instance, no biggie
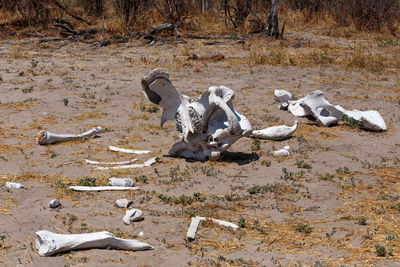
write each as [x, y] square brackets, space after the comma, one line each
[271, 20]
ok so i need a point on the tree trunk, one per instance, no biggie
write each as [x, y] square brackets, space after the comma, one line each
[271, 20]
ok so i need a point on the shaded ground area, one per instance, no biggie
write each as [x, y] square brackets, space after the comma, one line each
[328, 204]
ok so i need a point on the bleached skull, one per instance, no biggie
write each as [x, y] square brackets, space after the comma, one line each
[207, 125]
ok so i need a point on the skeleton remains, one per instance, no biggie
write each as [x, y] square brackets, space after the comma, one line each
[48, 243]
[207, 126]
[46, 138]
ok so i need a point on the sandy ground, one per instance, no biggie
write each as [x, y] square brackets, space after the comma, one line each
[295, 214]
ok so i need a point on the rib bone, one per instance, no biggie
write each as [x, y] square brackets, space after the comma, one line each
[130, 151]
[46, 138]
[191, 233]
[109, 163]
[102, 188]
[48, 243]
[276, 133]
[132, 166]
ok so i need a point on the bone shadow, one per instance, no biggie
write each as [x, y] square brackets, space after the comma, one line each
[239, 158]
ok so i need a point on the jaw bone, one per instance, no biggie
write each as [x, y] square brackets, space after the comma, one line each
[48, 243]
[207, 126]
[46, 138]
[276, 133]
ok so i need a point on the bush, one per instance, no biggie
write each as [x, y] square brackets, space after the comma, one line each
[130, 10]
[368, 15]
[32, 12]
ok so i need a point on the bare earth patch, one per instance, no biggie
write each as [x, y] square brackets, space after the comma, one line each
[328, 204]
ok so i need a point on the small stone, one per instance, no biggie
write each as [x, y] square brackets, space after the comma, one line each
[55, 203]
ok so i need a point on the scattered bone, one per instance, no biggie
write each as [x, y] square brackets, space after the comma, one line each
[282, 152]
[370, 120]
[316, 105]
[48, 243]
[282, 96]
[55, 203]
[276, 133]
[130, 151]
[102, 188]
[133, 215]
[295, 108]
[109, 163]
[127, 182]
[123, 203]
[206, 126]
[131, 166]
[46, 138]
[284, 106]
[191, 233]
[141, 234]
[14, 185]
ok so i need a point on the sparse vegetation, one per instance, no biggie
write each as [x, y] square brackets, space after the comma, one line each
[87, 181]
[303, 228]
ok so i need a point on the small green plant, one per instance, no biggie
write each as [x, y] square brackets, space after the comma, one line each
[255, 145]
[21, 73]
[209, 171]
[342, 171]
[53, 154]
[182, 199]
[302, 164]
[27, 90]
[351, 122]
[380, 250]
[266, 163]
[65, 100]
[141, 178]
[303, 228]
[1, 79]
[87, 181]
[34, 63]
[242, 222]
[362, 221]
[327, 177]
[152, 109]
[287, 175]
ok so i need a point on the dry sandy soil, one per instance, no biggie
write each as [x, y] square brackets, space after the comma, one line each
[330, 209]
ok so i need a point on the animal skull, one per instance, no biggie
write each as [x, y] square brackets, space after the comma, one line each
[207, 126]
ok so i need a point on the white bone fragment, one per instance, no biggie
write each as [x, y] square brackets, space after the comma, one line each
[127, 182]
[282, 96]
[14, 185]
[109, 163]
[54, 203]
[141, 234]
[316, 105]
[276, 133]
[130, 151]
[123, 203]
[48, 243]
[102, 188]
[133, 215]
[207, 126]
[191, 233]
[46, 138]
[370, 120]
[284, 106]
[131, 166]
[295, 108]
[282, 152]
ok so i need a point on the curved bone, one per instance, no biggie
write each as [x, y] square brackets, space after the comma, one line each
[130, 151]
[191, 233]
[316, 105]
[207, 126]
[276, 133]
[48, 243]
[123, 203]
[54, 203]
[46, 138]
[282, 96]
[370, 120]
[131, 166]
[92, 162]
[127, 182]
[103, 188]
[133, 215]
[282, 152]
[14, 185]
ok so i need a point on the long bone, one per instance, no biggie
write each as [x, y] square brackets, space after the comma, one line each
[131, 166]
[103, 188]
[276, 133]
[46, 138]
[93, 162]
[130, 151]
[191, 233]
[48, 243]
